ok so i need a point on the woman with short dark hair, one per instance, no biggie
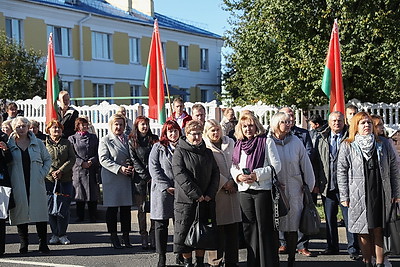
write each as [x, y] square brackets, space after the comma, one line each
[84, 177]
[196, 180]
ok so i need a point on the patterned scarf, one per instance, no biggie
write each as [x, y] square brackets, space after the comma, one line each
[366, 143]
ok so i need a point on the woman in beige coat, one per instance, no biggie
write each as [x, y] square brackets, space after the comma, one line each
[227, 199]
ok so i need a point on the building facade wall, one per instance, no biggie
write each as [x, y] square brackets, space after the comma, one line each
[118, 70]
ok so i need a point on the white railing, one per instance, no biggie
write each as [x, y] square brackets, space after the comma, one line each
[99, 114]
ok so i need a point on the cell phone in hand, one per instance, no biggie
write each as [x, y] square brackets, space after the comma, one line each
[246, 171]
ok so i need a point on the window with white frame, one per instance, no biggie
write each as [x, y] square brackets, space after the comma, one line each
[103, 90]
[13, 29]
[136, 90]
[183, 56]
[134, 50]
[101, 45]
[204, 95]
[204, 59]
[61, 40]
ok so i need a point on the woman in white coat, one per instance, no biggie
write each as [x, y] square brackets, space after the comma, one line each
[253, 155]
[295, 164]
[30, 165]
[116, 175]
[227, 199]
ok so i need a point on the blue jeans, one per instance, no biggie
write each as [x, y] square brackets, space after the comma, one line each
[58, 224]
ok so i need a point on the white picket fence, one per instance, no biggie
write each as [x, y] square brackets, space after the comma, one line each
[99, 114]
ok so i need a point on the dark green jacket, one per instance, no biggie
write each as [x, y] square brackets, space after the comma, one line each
[62, 158]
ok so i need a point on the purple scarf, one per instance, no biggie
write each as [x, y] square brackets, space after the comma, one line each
[254, 149]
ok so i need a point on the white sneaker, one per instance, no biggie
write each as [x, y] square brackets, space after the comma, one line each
[64, 240]
[54, 240]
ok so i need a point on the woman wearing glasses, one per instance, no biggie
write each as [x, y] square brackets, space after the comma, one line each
[295, 164]
[196, 180]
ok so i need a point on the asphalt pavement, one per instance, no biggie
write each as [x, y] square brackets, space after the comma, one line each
[90, 246]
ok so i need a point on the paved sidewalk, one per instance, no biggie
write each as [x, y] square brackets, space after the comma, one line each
[90, 247]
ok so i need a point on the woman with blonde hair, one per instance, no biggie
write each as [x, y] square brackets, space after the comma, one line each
[253, 156]
[227, 209]
[116, 175]
[367, 173]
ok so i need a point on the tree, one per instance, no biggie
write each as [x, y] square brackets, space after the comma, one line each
[279, 49]
[21, 71]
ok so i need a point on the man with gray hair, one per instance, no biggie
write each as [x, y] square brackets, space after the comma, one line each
[327, 149]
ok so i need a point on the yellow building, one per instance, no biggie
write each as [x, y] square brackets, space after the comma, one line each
[102, 46]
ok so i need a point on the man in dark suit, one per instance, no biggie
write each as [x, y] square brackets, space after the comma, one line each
[327, 149]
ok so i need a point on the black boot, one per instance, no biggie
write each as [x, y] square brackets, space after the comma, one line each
[23, 238]
[162, 259]
[199, 262]
[41, 228]
[80, 211]
[92, 207]
[369, 264]
[115, 241]
[126, 241]
[187, 262]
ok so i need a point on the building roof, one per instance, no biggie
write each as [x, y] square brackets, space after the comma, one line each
[103, 8]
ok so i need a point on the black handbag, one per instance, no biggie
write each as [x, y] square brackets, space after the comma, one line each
[310, 221]
[57, 203]
[203, 233]
[392, 231]
[279, 198]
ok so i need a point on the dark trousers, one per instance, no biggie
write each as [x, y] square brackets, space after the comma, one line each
[228, 244]
[258, 228]
[161, 235]
[2, 236]
[331, 208]
[41, 229]
[112, 219]
[92, 208]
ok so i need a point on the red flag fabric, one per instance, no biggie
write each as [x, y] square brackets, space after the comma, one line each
[154, 78]
[332, 82]
[52, 83]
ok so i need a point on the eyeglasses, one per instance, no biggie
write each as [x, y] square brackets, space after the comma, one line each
[196, 134]
[286, 122]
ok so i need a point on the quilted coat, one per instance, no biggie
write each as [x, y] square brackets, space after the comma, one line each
[351, 181]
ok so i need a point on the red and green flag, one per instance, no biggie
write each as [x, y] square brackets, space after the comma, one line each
[154, 78]
[332, 82]
[52, 83]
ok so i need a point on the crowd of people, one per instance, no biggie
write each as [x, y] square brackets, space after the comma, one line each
[219, 171]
